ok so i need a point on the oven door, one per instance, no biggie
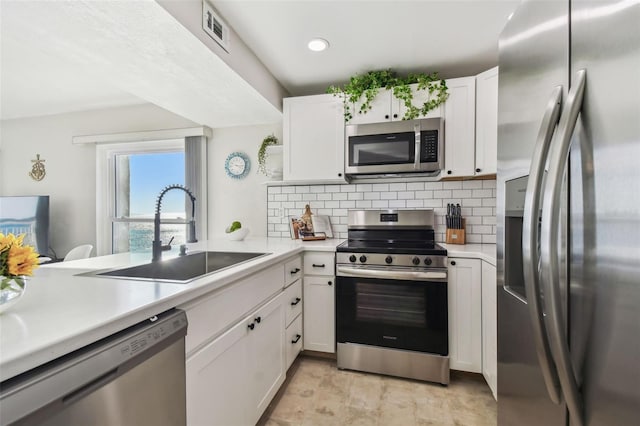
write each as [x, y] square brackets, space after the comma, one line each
[397, 308]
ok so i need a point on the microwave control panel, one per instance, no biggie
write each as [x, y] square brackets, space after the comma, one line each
[429, 146]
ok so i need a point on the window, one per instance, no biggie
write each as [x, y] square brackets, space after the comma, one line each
[130, 175]
[139, 178]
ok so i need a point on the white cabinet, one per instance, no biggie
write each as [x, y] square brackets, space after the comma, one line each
[319, 306]
[386, 107]
[459, 133]
[313, 134]
[489, 327]
[465, 315]
[231, 380]
[486, 122]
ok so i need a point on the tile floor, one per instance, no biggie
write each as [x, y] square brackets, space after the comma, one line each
[319, 394]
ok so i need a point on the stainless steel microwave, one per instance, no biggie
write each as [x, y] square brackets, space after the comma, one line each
[412, 146]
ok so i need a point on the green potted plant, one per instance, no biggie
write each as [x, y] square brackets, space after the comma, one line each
[364, 88]
[263, 155]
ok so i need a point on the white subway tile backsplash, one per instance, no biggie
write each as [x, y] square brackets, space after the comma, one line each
[472, 184]
[397, 204]
[380, 187]
[389, 195]
[415, 204]
[477, 199]
[415, 186]
[452, 185]
[371, 195]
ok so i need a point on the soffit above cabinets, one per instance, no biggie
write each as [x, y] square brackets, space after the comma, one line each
[66, 56]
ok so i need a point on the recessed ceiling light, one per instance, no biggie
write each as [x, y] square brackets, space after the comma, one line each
[318, 44]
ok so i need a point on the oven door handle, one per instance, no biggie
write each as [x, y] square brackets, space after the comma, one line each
[345, 271]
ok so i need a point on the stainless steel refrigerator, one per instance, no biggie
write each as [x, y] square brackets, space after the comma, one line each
[569, 214]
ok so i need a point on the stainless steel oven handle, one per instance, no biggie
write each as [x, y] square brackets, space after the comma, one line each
[346, 271]
[530, 239]
[550, 264]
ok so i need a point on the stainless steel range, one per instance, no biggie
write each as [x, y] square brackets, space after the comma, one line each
[391, 296]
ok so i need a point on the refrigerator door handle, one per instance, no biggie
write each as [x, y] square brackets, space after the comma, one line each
[550, 264]
[530, 239]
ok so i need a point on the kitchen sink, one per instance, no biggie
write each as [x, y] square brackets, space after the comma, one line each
[181, 269]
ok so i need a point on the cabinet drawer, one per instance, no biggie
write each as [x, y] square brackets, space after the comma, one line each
[292, 270]
[211, 314]
[293, 340]
[293, 301]
[319, 263]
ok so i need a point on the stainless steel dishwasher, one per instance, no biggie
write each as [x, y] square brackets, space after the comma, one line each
[134, 377]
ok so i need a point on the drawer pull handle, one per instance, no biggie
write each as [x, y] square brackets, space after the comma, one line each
[329, 282]
[297, 339]
[296, 301]
[295, 271]
[318, 266]
[251, 326]
[258, 319]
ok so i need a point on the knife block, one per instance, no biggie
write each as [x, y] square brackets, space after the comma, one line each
[455, 236]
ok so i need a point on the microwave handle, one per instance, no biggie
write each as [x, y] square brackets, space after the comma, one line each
[416, 156]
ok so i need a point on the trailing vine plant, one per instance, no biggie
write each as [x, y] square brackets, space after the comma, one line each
[262, 152]
[364, 88]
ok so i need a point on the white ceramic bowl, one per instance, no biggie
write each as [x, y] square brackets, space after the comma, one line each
[238, 234]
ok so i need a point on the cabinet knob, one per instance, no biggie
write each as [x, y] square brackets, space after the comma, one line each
[453, 262]
[448, 172]
[251, 326]
[258, 319]
[386, 116]
[329, 282]
[395, 115]
[294, 341]
[294, 303]
[339, 174]
[477, 170]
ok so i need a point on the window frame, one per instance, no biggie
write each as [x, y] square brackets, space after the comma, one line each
[106, 184]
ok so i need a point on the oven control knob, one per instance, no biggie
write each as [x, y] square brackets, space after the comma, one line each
[415, 261]
[352, 258]
[428, 261]
[388, 259]
[363, 258]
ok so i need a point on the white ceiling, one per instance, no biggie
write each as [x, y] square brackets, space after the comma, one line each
[59, 56]
[454, 37]
[64, 56]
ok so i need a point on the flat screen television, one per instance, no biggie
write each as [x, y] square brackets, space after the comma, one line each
[27, 215]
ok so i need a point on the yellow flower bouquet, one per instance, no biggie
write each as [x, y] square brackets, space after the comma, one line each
[16, 262]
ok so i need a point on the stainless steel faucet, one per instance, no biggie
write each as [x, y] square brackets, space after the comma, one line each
[191, 232]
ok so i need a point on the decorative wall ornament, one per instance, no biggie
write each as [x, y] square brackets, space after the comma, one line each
[37, 170]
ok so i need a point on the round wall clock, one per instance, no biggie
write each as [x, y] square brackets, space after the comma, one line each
[237, 165]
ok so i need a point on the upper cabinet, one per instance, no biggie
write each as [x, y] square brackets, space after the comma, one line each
[487, 122]
[386, 107]
[459, 127]
[313, 133]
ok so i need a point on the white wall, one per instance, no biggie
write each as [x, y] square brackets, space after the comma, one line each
[71, 178]
[245, 199]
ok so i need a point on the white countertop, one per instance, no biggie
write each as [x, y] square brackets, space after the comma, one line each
[486, 252]
[61, 312]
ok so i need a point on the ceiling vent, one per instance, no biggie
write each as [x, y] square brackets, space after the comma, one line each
[215, 26]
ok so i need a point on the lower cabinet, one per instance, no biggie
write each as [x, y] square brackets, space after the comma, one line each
[489, 327]
[465, 315]
[319, 313]
[231, 380]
